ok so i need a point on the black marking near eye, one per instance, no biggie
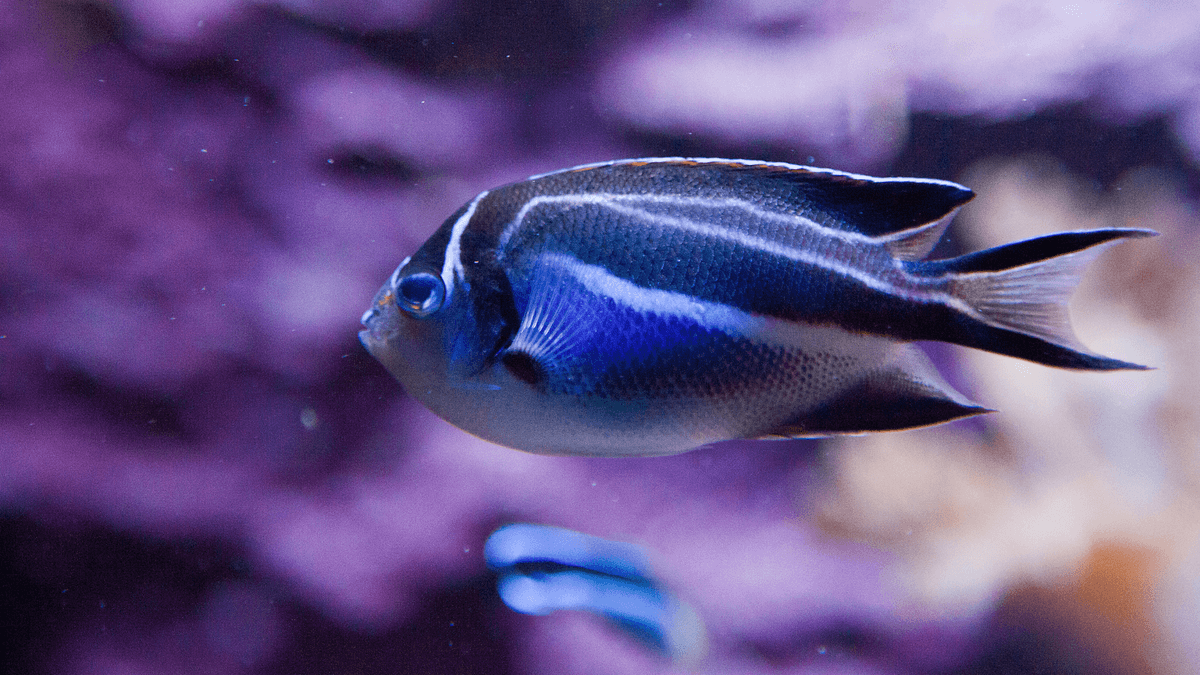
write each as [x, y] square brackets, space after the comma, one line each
[524, 367]
[420, 293]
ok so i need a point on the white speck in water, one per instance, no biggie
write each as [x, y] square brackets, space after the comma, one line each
[821, 649]
[203, 149]
[330, 160]
[308, 417]
[466, 549]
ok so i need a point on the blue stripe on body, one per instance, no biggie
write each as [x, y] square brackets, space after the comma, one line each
[625, 343]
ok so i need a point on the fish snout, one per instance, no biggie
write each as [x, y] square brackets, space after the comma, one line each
[369, 316]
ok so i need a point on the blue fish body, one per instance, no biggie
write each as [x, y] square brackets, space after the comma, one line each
[650, 306]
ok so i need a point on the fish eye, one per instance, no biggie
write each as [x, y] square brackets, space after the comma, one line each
[420, 293]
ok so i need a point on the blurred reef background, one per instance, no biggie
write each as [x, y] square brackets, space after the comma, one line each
[201, 471]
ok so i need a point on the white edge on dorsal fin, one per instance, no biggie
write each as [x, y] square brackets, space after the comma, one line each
[915, 243]
[746, 162]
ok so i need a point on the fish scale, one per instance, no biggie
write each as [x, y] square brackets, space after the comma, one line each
[646, 307]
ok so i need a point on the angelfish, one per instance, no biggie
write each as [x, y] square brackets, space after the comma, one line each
[651, 306]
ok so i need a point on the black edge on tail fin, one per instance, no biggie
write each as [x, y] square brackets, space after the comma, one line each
[1018, 293]
[1038, 249]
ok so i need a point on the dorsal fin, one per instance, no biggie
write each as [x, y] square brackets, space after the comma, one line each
[875, 207]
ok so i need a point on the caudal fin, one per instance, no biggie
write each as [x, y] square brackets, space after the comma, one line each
[1016, 297]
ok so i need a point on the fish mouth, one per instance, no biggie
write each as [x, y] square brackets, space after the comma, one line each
[370, 322]
[369, 316]
[366, 336]
[377, 330]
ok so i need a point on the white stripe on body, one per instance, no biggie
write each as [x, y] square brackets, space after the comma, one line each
[601, 282]
[548, 333]
[395, 279]
[671, 200]
[452, 264]
[800, 255]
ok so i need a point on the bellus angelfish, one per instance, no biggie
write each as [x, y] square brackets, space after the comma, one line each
[650, 306]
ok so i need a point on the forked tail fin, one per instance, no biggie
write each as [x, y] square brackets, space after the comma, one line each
[1016, 295]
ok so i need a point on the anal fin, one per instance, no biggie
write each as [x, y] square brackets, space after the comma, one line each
[906, 392]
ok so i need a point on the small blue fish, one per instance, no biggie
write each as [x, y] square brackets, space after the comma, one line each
[545, 569]
[650, 306]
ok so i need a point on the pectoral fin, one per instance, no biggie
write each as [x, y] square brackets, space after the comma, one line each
[557, 326]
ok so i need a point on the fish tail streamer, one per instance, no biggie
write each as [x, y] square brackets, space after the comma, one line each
[1017, 297]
